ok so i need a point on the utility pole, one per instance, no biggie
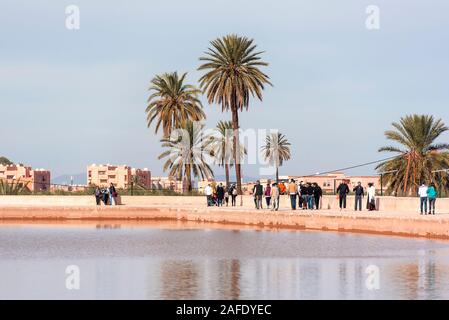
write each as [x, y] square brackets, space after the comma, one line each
[382, 180]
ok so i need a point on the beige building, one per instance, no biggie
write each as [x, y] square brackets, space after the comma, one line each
[121, 176]
[170, 183]
[36, 180]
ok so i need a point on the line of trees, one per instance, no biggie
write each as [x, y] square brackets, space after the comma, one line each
[232, 76]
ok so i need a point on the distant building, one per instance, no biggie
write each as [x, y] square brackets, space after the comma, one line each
[121, 176]
[171, 183]
[36, 180]
[329, 182]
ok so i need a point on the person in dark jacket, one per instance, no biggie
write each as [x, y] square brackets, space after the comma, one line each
[342, 192]
[220, 195]
[304, 196]
[317, 193]
[310, 196]
[105, 194]
[359, 193]
[258, 193]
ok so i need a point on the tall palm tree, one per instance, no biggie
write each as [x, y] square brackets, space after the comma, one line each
[222, 147]
[419, 157]
[172, 102]
[276, 150]
[186, 154]
[232, 76]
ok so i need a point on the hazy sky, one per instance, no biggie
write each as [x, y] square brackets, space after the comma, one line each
[73, 97]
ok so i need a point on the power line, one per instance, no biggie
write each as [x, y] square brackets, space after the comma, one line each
[352, 167]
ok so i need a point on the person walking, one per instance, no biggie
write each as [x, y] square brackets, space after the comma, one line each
[342, 192]
[220, 195]
[112, 195]
[310, 196]
[97, 193]
[423, 197]
[268, 195]
[208, 192]
[105, 192]
[318, 194]
[258, 193]
[371, 195]
[300, 201]
[234, 194]
[359, 193]
[282, 188]
[275, 196]
[432, 194]
[226, 196]
[303, 193]
[293, 191]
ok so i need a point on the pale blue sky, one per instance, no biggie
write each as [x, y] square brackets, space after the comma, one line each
[77, 97]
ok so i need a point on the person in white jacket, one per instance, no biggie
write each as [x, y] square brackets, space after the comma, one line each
[371, 195]
[422, 192]
[208, 192]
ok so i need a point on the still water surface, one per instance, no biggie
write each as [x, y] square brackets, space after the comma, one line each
[188, 261]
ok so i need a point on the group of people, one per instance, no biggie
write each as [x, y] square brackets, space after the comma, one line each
[428, 197]
[359, 193]
[218, 195]
[107, 194]
[306, 195]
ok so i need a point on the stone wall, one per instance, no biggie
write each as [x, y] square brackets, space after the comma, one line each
[390, 204]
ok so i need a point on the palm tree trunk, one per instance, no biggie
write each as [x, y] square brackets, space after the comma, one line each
[227, 175]
[189, 178]
[236, 142]
[406, 175]
[277, 174]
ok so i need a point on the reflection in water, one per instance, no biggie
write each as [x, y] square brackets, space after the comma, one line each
[148, 263]
[422, 278]
[179, 280]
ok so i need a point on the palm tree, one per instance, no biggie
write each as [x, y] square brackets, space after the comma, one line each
[276, 150]
[232, 75]
[172, 102]
[222, 147]
[419, 157]
[187, 153]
